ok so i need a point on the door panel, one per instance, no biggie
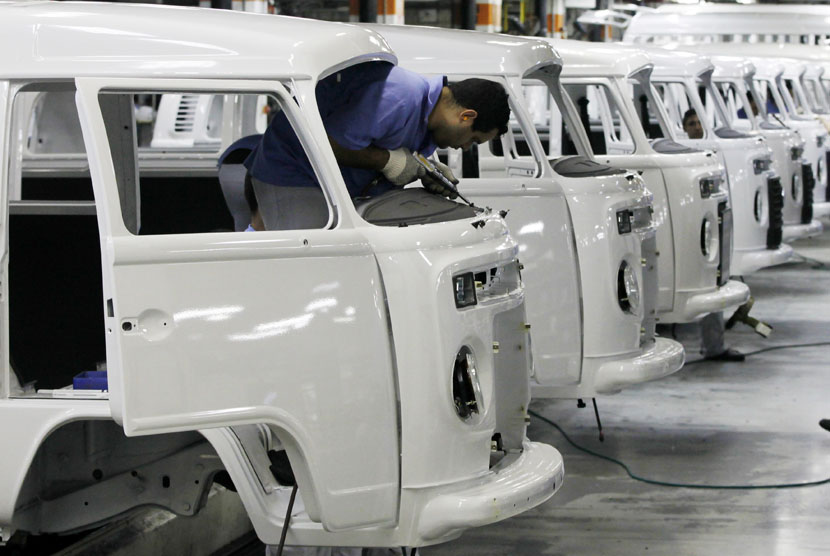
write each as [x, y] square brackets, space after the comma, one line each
[286, 328]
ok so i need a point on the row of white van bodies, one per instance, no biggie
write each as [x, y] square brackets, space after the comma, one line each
[776, 145]
[694, 266]
[345, 346]
[762, 71]
[757, 31]
[747, 188]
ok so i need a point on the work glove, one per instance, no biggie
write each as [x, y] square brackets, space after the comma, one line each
[402, 167]
[436, 186]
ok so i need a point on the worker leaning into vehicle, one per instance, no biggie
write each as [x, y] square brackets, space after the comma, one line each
[377, 116]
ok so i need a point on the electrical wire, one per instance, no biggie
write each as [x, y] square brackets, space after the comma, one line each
[287, 521]
[764, 350]
[669, 483]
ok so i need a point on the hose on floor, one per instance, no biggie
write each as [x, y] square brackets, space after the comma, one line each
[766, 349]
[687, 485]
[669, 483]
[815, 264]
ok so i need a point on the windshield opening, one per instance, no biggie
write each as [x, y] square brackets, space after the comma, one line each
[602, 117]
[649, 106]
[552, 117]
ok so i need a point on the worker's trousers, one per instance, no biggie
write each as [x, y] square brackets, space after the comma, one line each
[290, 208]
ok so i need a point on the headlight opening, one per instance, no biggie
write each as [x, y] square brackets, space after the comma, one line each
[466, 388]
[628, 289]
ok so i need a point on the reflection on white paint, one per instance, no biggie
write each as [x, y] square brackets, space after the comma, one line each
[276, 328]
[212, 314]
[321, 305]
[532, 228]
[327, 287]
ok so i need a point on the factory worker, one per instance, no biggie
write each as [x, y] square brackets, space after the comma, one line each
[377, 117]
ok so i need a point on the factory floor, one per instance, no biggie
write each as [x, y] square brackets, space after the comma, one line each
[711, 423]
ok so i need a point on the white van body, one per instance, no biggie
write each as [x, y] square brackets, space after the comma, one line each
[734, 77]
[799, 156]
[782, 67]
[347, 346]
[584, 342]
[755, 190]
[774, 75]
[693, 276]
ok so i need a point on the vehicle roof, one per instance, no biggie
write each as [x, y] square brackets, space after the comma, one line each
[591, 59]
[675, 63]
[746, 8]
[724, 19]
[766, 50]
[768, 68]
[453, 51]
[726, 65]
[72, 39]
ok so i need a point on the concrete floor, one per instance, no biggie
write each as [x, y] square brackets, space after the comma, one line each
[754, 422]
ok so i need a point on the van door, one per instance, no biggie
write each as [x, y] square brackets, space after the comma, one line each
[212, 328]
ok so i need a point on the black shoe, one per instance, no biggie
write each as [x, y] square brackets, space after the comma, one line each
[729, 355]
[825, 424]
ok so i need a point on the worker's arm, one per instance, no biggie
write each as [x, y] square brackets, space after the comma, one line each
[398, 166]
[370, 158]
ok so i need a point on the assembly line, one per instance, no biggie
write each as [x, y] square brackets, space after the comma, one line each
[336, 277]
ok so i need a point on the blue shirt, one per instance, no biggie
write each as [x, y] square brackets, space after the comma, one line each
[368, 104]
[239, 148]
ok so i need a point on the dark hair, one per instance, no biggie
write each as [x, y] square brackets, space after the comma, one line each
[689, 113]
[486, 97]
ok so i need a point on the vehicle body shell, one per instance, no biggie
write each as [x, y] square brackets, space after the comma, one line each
[337, 345]
[755, 247]
[690, 283]
[739, 72]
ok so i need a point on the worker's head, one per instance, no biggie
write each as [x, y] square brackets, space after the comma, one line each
[691, 124]
[469, 111]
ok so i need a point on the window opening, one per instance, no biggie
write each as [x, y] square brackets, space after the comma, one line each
[157, 199]
[506, 156]
[645, 102]
[602, 118]
[55, 306]
[553, 128]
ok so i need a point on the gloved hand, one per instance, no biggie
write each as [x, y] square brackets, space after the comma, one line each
[435, 186]
[402, 167]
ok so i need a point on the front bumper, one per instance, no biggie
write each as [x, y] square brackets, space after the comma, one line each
[747, 262]
[821, 210]
[508, 489]
[792, 232]
[663, 358]
[692, 305]
[611, 373]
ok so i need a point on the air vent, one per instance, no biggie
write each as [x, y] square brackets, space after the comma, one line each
[186, 114]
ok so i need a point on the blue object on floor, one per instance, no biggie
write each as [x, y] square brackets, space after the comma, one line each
[90, 380]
